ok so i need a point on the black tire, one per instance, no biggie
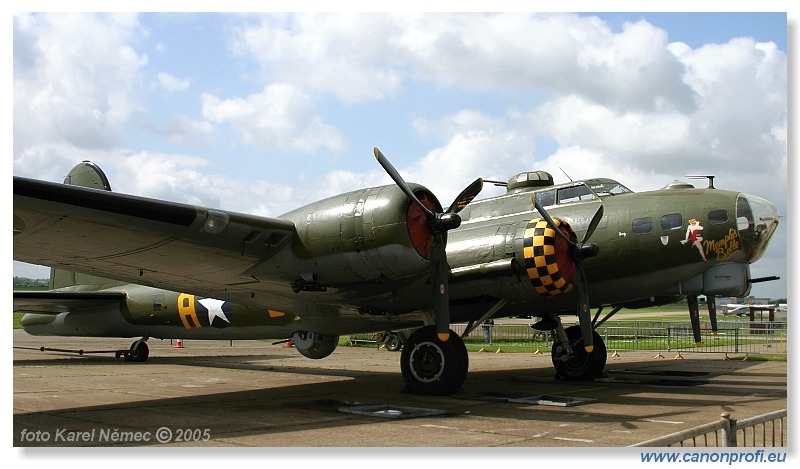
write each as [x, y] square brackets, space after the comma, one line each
[582, 365]
[463, 358]
[432, 367]
[139, 352]
[393, 342]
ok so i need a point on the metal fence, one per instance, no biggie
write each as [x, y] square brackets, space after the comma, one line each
[731, 337]
[762, 431]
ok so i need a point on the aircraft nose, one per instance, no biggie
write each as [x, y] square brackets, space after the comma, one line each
[756, 220]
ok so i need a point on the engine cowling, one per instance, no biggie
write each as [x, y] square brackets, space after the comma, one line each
[546, 257]
[365, 235]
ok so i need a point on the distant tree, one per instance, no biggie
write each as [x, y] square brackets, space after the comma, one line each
[31, 282]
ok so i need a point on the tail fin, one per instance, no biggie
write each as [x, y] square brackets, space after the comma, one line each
[85, 174]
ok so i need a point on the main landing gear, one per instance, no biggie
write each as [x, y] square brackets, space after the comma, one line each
[437, 368]
[570, 358]
[433, 367]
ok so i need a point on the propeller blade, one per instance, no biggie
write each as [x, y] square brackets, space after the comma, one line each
[439, 282]
[579, 252]
[598, 215]
[439, 223]
[584, 313]
[694, 316]
[466, 196]
[712, 312]
[401, 183]
[550, 221]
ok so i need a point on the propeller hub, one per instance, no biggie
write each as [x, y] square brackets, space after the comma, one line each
[585, 250]
[445, 222]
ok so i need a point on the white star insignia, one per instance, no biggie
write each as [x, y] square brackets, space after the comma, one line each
[214, 308]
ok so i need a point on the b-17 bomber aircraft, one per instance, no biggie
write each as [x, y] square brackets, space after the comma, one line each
[383, 259]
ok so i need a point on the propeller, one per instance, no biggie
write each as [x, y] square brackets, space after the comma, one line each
[579, 251]
[712, 312]
[439, 223]
[694, 317]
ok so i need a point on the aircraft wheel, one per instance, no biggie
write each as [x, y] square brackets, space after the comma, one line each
[393, 342]
[432, 367]
[463, 358]
[139, 352]
[581, 365]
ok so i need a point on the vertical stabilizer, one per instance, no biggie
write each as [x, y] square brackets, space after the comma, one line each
[85, 174]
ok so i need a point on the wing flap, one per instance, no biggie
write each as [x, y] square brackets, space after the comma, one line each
[140, 240]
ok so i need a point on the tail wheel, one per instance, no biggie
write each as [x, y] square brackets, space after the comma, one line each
[139, 352]
[432, 367]
[393, 342]
[581, 364]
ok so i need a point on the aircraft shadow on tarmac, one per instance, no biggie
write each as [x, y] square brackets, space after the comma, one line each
[313, 405]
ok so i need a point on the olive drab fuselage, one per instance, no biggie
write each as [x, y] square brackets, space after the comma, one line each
[354, 264]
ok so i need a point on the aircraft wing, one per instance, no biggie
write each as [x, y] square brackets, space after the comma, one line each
[146, 241]
[55, 302]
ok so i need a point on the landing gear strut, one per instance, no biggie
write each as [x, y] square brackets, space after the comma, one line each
[433, 367]
[570, 358]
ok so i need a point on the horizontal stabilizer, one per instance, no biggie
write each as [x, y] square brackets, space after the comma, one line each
[55, 302]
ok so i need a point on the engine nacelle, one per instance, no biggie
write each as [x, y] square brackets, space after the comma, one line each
[314, 345]
[360, 236]
[546, 257]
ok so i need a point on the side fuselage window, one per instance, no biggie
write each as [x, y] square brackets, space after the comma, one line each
[718, 217]
[672, 221]
[642, 225]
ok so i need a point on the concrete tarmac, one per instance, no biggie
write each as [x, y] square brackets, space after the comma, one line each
[255, 394]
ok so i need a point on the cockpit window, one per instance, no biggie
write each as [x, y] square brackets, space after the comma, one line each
[574, 194]
[608, 187]
[581, 191]
[547, 198]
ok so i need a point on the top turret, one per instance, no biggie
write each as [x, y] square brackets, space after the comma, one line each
[531, 180]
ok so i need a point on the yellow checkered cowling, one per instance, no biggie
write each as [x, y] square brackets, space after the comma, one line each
[541, 263]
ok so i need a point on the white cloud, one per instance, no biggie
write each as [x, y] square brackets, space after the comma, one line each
[371, 56]
[644, 139]
[182, 129]
[173, 83]
[344, 54]
[741, 91]
[477, 145]
[280, 117]
[75, 78]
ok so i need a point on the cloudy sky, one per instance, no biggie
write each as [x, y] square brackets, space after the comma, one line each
[262, 113]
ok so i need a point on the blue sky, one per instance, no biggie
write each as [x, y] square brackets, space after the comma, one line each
[263, 113]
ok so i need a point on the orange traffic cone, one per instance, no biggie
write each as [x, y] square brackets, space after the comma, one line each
[179, 343]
